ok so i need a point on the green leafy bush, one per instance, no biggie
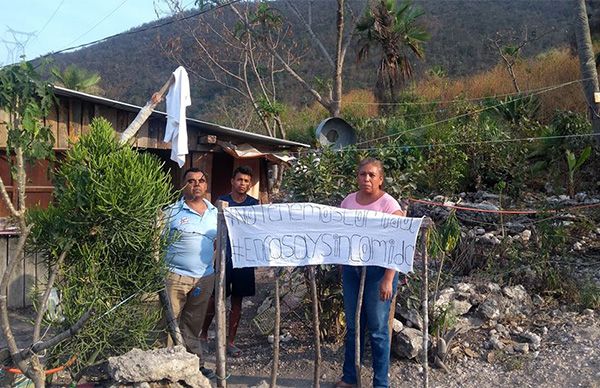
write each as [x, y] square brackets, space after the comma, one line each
[26, 98]
[589, 295]
[108, 199]
[547, 158]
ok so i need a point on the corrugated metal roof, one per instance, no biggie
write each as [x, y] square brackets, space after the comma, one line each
[204, 126]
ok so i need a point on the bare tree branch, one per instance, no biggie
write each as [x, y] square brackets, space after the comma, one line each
[316, 41]
[7, 200]
[44, 302]
[326, 102]
[70, 332]
[4, 321]
[21, 182]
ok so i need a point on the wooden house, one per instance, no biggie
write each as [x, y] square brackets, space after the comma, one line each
[216, 149]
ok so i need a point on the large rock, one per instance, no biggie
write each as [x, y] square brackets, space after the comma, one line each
[490, 309]
[513, 302]
[490, 238]
[171, 364]
[397, 326]
[534, 339]
[411, 316]
[460, 307]
[445, 297]
[516, 293]
[408, 343]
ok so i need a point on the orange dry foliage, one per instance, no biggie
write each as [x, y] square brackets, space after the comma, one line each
[551, 68]
[359, 103]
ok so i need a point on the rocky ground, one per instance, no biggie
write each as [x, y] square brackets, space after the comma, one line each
[496, 335]
[515, 340]
[550, 346]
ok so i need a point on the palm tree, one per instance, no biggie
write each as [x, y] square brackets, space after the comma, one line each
[394, 29]
[587, 63]
[76, 78]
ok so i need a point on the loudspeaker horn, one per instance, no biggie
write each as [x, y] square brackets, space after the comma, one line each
[336, 133]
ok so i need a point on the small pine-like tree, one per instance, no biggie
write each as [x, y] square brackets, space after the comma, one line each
[108, 200]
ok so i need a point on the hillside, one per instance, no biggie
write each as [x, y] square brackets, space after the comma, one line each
[133, 66]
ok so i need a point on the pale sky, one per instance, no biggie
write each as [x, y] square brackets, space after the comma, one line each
[42, 26]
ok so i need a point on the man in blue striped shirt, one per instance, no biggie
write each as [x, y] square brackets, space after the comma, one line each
[192, 224]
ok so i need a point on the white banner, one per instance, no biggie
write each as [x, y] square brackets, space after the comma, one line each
[298, 234]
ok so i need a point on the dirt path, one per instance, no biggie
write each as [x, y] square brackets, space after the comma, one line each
[569, 355]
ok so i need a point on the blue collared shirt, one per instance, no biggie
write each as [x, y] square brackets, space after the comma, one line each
[191, 254]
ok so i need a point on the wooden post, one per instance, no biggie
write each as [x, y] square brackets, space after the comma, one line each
[172, 323]
[276, 333]
[425, 300]
[145, 112]
[316, 329]
[361, 292]
[163, 296]
[220, 296]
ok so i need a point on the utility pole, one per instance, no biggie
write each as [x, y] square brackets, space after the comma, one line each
[587, 64]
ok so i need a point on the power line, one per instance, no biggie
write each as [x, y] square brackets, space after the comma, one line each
[475, 99]
[398, 134]
[100, 22]
[153, 27]
[479, 142]
[521, 94]
[50, 19]
[541, 91]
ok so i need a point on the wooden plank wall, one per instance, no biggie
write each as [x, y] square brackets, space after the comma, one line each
[3, 127]
[71, 118]
[30, 274]
[263, 187]
[3, 254]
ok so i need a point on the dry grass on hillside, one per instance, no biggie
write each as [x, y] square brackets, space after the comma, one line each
[552, 68]
[549, 69]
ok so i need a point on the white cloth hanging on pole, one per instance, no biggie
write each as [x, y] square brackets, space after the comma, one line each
[178, 99]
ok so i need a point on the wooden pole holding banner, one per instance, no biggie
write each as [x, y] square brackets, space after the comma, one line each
[275, 366]
[145, 112]
[425, 299]
[316, 329]
[361, 292]
[220, 296]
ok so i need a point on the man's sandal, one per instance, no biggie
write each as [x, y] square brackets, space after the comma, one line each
[233, 351]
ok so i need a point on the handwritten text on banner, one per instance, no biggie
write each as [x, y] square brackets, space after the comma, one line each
[297, 234]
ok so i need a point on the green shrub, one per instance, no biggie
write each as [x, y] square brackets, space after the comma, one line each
[108, 199]
[547, 158]
[589, 295]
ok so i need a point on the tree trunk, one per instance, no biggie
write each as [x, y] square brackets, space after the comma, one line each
[587, 63]
[336, 100]
[425, 304]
